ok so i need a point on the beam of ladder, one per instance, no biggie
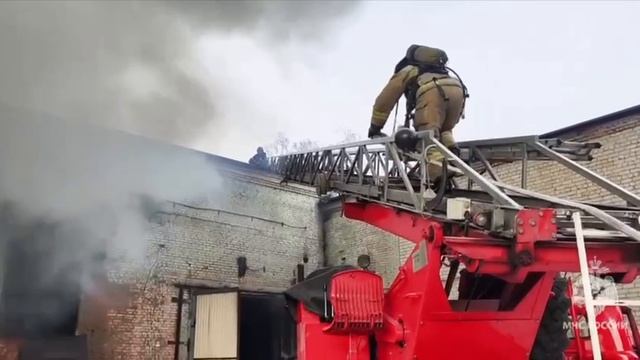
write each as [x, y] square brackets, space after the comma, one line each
[383, 171]
[586, 285]
[589, 302]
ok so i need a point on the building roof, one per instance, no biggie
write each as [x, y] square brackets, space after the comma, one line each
[585, 125]
[28, 118]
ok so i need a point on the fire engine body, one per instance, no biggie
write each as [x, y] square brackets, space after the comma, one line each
[511, 244]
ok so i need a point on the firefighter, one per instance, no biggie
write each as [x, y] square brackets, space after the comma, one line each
[259, 160]
[435, 100]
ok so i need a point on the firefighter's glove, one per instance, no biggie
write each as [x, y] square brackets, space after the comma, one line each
[375, 131]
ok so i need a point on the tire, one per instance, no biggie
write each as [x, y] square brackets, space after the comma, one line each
[552, 338]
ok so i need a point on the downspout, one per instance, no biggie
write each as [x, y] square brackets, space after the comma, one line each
[326, 207]
[321, 221]
[177, 342]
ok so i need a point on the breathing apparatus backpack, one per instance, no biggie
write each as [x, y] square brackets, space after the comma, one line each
[427, 60]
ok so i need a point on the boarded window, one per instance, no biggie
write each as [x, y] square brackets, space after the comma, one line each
[216, 334]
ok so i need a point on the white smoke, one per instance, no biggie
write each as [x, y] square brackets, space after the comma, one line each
[132, 64]
[76, 189]
[92, 179]
[73, 196]
[123, 64]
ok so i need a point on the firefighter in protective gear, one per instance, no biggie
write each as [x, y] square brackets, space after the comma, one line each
[435, 100]
[259, 160]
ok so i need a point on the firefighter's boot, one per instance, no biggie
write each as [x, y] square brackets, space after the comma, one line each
[434, 164]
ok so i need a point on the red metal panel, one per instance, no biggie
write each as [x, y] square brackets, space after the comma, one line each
[357, 298]
[616, 338]
[491, 257]
[533, 225]
[316, 344]
[421, 323]
[483, 254]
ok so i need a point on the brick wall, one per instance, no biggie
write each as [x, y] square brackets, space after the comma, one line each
[127, 310]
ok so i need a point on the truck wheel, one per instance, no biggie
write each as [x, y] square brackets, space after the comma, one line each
[552, 338]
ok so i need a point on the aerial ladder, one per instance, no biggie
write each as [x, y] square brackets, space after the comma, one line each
[506, 247]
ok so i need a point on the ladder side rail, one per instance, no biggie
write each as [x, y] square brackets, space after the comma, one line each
[509, 150]
[590, 175]
[586, 284]
[499, 141]
[498, 195]
[603, 216]
[572, 150]
[403, 174]
[377, 141]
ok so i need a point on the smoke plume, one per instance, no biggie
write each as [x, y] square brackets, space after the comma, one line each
[93, 178]
[67, 66]
[125, 65]
[132, 65]
[71, 194]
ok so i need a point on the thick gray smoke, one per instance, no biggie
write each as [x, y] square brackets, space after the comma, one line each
[126, 65]
[132, 65]
[73, 196]
[93, 178]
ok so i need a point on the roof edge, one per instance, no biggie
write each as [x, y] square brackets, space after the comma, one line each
[593, 122]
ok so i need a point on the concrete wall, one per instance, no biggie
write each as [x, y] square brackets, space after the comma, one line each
[127, 311]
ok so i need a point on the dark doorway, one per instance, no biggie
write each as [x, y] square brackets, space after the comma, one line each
[267, 330]
[59, 348]
[40, 288]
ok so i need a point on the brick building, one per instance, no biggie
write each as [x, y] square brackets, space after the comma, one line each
[194, 250]
[256, 239]
[253, 237]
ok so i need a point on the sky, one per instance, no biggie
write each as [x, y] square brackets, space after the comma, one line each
[531, 67]
[312, 71]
